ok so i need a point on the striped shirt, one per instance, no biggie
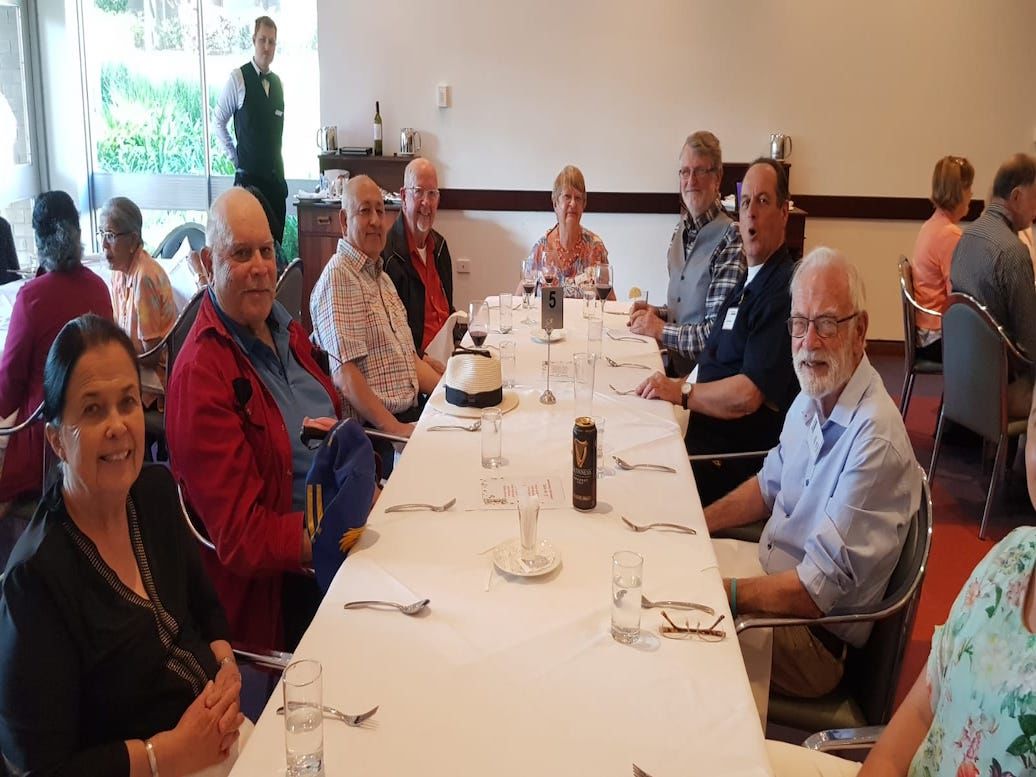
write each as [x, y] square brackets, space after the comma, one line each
[992, 265]
[726, 270]
[359, 318]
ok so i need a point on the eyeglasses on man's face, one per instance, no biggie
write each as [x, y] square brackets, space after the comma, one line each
[106, 236]
[825, 326]
[695, 172]
[420, 195]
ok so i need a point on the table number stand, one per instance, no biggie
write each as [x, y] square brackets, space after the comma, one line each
[552, 316]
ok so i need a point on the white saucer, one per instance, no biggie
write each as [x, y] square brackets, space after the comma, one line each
[507, 558]
[438, 401]
[540, 335]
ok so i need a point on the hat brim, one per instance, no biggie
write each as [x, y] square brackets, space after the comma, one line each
[437, 401]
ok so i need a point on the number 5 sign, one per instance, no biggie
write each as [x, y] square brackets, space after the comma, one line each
[552, 308]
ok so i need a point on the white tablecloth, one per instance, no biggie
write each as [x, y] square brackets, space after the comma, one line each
[524, 678]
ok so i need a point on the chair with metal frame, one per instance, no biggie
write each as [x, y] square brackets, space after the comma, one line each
[22, 509]
[193, 232]
[750, 532]
[912, 366]
[289, 289]
[976, 370]
[866, 694]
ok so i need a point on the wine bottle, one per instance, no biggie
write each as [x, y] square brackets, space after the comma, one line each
[377, 129]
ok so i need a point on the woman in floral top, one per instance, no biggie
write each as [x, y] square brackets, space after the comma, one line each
[568, 246]
[972, 712]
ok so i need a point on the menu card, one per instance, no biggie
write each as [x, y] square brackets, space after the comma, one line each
[502, 492]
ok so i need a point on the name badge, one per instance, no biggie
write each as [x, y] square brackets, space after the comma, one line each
[278, 113]
[728, 322]
[815, 438]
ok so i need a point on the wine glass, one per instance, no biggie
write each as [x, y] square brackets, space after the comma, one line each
[478, 322]
[528, 288]
[603, 280]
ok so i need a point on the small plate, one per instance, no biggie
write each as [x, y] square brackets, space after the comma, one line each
[507, 558]
[540, 335]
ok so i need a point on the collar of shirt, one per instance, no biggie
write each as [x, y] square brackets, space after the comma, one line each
[261, 74]
[359, 260]
[849, 399]
[253, 347]
[429, 245]
[697, 222]
[997, 209]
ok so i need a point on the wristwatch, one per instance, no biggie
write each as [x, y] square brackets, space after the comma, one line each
[685, 393]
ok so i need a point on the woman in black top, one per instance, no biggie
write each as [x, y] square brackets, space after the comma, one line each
[114, 657]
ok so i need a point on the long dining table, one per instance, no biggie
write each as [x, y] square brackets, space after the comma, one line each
[510, 675]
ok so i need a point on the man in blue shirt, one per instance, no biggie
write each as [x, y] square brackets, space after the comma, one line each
[839, 488]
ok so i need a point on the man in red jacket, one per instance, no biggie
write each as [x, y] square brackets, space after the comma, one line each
[235, 401]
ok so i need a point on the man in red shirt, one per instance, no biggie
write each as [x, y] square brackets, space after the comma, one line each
[417, 258]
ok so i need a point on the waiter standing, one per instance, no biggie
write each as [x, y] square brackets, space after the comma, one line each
[255, 98]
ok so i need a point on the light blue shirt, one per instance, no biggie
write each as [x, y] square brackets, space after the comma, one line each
[839, 515]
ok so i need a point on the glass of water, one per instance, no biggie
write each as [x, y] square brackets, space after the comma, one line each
[509, 362]
[627, 583]
[583, 382]
[506, 313]
[303, 718]
[595, 334]
[599, 423]
[492, 438]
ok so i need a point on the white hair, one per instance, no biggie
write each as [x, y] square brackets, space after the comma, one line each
[823, 257]
[410, 173]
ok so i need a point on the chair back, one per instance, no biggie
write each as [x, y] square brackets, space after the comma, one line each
[906, 295]
[975, 367]
[289, 289]
[872, 672]
[193, 232]
[177, 336]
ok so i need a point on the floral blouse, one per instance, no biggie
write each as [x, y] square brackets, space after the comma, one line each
[589, 251]
[982, 673]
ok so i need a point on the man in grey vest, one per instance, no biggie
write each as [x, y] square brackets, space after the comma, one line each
[705, 260]
[254, 98]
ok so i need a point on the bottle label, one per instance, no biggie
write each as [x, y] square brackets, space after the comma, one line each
[377, 132]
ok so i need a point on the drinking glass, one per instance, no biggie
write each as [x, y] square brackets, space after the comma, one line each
[528, 517]
[303, 718]
[604, 279]
[492, 438]
[599, 421]
[549, 272]
[589, 295]
[529, 274]
[506, 314]
[583, 382]
[509, 362]
[478, 322]
[595, 334]
[627, 582]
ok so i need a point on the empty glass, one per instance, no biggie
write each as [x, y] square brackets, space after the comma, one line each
[492, 438]
[506, 314]
[627, 583]
[478, 322]
[599, 421]
[303, 718]
[528, 518]
[509, 362]
[595, 333]
[583, 382]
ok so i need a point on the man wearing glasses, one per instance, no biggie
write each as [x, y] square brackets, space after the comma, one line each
[839, 488]
[417, 258]
[705, 260]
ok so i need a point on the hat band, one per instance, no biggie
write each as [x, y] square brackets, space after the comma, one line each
[460, 398]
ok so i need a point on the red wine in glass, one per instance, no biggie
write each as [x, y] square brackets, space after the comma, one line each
[478, 335]
[529, 287]
[549, 278]
[603, 291]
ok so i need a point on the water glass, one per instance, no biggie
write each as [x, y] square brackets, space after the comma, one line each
[506, 313]
[509, 362]
[528, 518]
[599, 423]
[627, 583]
[589, 295]
[595, 334]
[492, 438]
[303, 718]
[583, 382]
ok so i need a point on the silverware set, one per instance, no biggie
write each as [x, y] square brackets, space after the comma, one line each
[421, 506]
[472, 427]
[626, 338]
[623, 392]
[613, 363]
[647, 526]
[623, 464]
[647, 604]
[376, 604]
[331, 712]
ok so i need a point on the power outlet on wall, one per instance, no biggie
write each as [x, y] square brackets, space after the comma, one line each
[463, 265]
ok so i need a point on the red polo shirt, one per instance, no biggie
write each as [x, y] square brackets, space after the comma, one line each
[436, 308]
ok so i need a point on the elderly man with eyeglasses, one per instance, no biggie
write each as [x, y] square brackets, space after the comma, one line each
[417, 258]
[839, 488]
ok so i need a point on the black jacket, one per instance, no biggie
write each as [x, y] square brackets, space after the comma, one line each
[408, 283]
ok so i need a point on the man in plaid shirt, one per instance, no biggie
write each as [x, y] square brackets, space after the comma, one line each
[705, 260]
[360, 321]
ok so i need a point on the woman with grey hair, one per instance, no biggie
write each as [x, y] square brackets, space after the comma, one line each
[63, 290]
[142, 297]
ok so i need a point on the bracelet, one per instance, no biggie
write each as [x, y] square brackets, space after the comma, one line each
[733, 597]
[151, 759]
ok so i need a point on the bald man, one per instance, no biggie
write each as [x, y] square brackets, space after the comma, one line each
[235, 401]
[360, 321]
[417, 258]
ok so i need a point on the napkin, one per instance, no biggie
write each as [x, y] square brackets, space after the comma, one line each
[441, 346]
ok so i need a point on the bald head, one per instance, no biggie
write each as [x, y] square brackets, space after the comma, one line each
[420, 195]
[240, 258]
[363, 216]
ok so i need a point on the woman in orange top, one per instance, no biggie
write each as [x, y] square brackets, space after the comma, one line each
[933, 250]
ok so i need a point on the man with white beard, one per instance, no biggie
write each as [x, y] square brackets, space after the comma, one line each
[839, 488]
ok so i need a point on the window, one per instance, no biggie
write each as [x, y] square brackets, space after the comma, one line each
[19, 174]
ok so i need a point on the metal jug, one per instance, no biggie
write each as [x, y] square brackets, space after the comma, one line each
[409, 141]
[780, 146]
[327, 138]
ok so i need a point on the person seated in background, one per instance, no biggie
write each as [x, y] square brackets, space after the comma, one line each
[9, 266]
[271, 217]
[241, 386]
[568, 247]
[839, 488]
[417, 258]
[360, 321]
[114, 652]
[64, 290]
[992, 265]
[933, 249]
[142, 297]
[746, 380]
[705, 260]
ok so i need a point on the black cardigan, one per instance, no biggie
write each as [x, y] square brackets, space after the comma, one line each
[85, 663]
